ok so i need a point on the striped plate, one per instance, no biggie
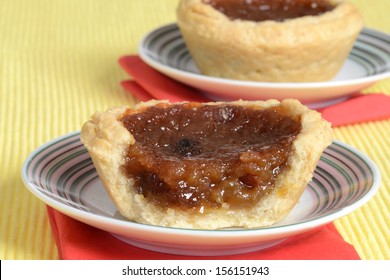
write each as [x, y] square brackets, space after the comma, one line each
[61, 174]
[369, 61]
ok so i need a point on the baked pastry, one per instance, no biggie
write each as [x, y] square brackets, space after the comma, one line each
[269, 40]
[206, 165]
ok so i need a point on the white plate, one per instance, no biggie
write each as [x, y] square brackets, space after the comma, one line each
[61, 174]
[369, 61]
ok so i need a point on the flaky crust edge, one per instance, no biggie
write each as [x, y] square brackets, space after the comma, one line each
[107, 140]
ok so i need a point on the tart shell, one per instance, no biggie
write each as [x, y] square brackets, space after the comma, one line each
[107, 141]
[304, 49]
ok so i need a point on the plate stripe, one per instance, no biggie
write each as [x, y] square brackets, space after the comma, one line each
[166, 46]
[63, 171]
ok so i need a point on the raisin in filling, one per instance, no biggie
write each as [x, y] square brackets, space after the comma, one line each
[200, 157]
[277, 10]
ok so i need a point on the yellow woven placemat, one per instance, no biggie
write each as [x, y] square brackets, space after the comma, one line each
[58, 65]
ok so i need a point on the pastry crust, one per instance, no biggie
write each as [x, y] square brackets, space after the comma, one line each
[107, 141]
[304, 49]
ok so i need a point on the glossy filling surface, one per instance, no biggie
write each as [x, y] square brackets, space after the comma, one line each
[277, 10]
[200, 157]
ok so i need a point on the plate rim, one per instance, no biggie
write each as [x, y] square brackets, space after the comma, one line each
[253, 84]
[85, 216]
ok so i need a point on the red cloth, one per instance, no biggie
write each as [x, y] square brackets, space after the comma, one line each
[76, 240]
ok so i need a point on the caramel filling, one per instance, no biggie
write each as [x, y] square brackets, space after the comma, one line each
[277, 10]
[199, 157]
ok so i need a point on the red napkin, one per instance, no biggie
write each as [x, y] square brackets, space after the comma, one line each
[149, 84]
[76, 240]
[79, 241]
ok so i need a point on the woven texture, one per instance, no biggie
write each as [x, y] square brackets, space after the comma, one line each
[58, 65]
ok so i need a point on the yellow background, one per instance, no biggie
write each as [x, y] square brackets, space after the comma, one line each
[58, 65]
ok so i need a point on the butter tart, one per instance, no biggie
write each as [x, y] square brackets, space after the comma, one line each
[269, 40]
[206, 165]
